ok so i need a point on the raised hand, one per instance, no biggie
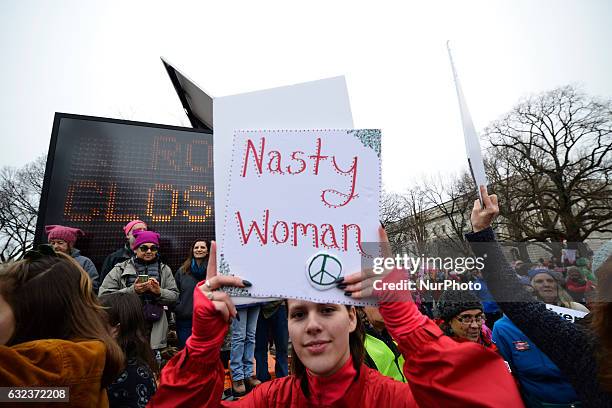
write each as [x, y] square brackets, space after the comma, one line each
[483, 217]
[361, 284]
[221, 300]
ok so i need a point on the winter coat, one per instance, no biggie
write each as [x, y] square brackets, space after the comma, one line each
[78, 365]
[579, 290]
[440, 371]
[89, 267]
[117, 281]
[134, 387]
[539, 377]
[570, 346]
[186, 283]
[120, 255]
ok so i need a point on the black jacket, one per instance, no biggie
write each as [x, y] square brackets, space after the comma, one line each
[120, 255]
[572, 347]
[186, 283]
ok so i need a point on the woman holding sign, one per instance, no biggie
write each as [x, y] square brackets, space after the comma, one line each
[583, 355]
[328, 368]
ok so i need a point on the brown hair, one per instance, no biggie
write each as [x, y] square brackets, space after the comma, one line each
[186, 266]
[51, 297]
[125, 310]
[356, 347]
[601, 324]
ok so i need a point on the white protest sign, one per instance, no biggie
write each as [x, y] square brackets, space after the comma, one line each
[317, 104]
[567, 314]
[299, 205]
[472, 143]
[569, 256]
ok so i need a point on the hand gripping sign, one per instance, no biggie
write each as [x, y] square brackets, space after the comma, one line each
[300, 204]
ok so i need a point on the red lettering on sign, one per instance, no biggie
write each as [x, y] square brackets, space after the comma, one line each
[257, 157]
[275, 156]
[293, 232]
[352, 171]
[302, 163]
[328, 231]
[263, 238]
[286, 232]
[318, 157]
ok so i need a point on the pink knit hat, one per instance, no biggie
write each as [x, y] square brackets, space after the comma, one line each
[128, 227]
[145, 237]
[67, 234]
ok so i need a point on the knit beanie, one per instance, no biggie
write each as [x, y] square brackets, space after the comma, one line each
[536, 271]
[145, 237]
[581, 262]
[128, 227]
[601, 255]
[453, 302]
[67, 234]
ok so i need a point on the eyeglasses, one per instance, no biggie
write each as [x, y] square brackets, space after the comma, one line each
[470, 319]
[146, 248]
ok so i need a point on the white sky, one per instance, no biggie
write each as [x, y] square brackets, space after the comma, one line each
[102, 59]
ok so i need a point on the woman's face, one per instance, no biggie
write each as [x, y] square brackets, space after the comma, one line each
[320, 334]
[200, 250]
[575, 274]
[545, 286]
[60, 246]
[147, 251]
[468, 324]
[7, 322]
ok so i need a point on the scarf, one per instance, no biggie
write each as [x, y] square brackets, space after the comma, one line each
[198, 271]
[147, 268]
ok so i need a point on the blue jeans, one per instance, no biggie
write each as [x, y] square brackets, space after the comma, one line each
[243, 343]
[277, 323]
[183, 331]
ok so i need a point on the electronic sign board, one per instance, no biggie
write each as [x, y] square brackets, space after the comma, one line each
[102, 173]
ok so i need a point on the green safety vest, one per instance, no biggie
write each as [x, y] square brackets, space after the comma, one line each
[384, 358]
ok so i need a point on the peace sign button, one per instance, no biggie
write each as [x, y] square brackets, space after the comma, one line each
[322, 270]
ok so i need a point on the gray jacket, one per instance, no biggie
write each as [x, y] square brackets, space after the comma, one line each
[89, 267]
[116, 281]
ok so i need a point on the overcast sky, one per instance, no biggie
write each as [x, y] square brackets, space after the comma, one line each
[102, 59]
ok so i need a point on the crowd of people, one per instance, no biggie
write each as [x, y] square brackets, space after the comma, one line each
[102, 335]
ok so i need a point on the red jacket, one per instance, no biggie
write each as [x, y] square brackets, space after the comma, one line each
[578, 287]
[440, 371]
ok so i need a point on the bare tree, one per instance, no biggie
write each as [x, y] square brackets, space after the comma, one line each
[550, 160]
[408, 232]
[392, 208]
[450, 201]
[20, 191]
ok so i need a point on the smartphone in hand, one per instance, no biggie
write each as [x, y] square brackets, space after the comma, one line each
[143, 278]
